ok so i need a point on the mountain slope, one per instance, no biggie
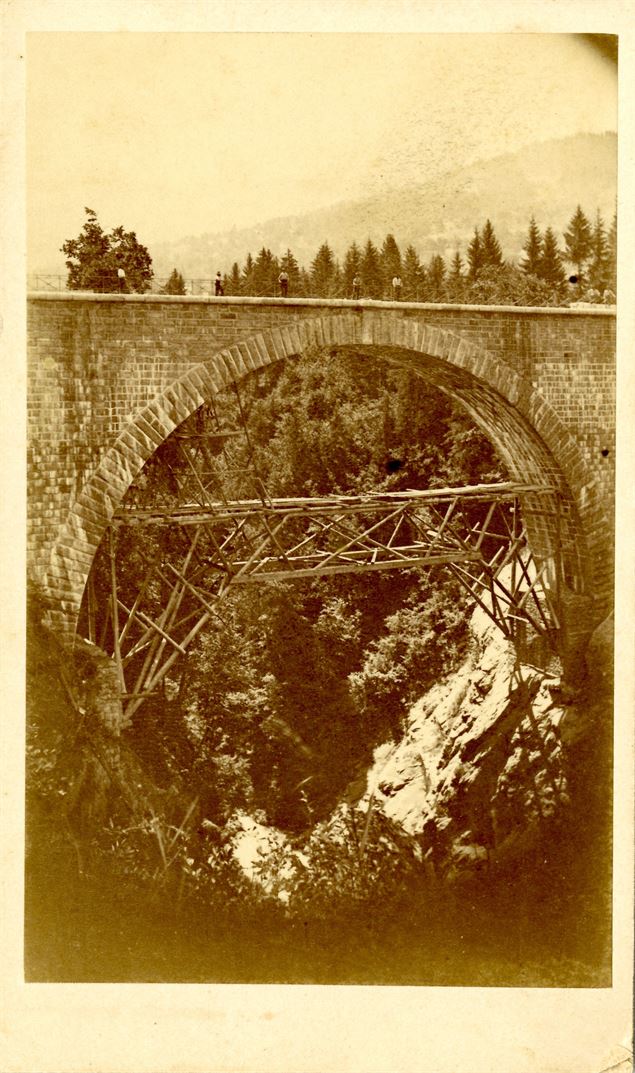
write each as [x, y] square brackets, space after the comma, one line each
[547, 179]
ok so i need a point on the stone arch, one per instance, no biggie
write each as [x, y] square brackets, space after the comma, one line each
[529, 435]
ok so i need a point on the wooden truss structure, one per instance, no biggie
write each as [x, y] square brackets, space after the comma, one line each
[148, 599]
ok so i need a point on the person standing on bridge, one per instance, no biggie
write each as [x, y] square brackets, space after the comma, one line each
[121, 279]
[357, 286]
[396, 288]
[283, 280]
[218, 285]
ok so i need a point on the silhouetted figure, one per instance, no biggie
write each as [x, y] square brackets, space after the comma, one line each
[396, 288]
[357, 286]
[283, 280]
[218, 285]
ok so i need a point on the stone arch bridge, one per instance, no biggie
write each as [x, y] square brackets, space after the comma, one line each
[112, 376]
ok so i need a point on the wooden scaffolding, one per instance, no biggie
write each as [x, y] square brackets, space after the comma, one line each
[196, 545]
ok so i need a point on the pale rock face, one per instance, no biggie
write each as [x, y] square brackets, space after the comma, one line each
[481, 766]
[252, 841]
[254, 844]
[481, 758]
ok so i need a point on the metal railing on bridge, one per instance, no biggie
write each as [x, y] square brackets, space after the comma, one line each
[51, 282]
[200, 287]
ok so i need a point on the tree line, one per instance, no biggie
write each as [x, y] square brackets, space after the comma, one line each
[546, 274]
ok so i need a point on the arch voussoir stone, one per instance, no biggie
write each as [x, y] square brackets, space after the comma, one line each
[295, 339]
[444, 345]
[199, 381]
[147, 422]
[134, 443]
[276, 343]
[190, 396]
[409, 335]
[325, 331]
[244, 353]
[182, 399]
[234, 362]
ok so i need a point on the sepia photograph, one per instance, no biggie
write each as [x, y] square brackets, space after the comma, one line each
[320, 477]
[320, 489]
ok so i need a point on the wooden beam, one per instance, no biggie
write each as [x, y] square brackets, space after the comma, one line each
[92, 629]
[153, 625]
[372, 501]
[346, 568]
[115, 608]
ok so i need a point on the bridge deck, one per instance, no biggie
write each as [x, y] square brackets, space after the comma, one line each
[305, 506]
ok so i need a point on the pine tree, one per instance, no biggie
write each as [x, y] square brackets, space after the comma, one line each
[412, 275]
[578, 241]
[305, 283]
[456, 279]
[598, 265]
[266, 272]
[323, 273]
[175, 284]
[532, 249]
[234, 283]
[247, 283]
[474, 255]
[338, 282]
[390, 263]
[371, 271]
[352, 268]
[491, 253]
[435, 278]
[289, 264]
[550, 266]
[456, 267]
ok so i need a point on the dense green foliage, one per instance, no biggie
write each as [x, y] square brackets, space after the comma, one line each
[95, 258]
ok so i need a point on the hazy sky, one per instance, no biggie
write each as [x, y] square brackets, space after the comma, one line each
[181, 133]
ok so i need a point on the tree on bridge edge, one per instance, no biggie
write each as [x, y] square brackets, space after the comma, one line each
[578, 241]
[175, 284]
[95, 258]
